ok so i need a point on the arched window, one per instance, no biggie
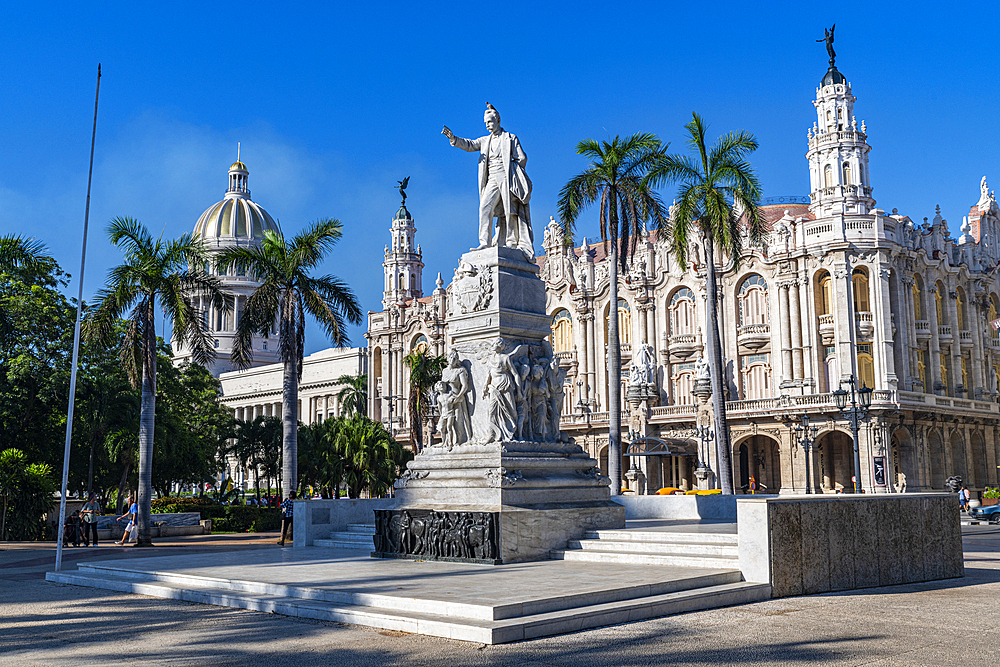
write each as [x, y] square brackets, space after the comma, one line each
[399, 283]
[829, 116]
[828, 176]
[960, 307]
[753, 301]
[918, 309]
[624, 324]
[847, 173]
[866, 366]
[420, 343]
[562, 331]
[861, 298]
[939, 302]
[413, 281]
[832, 368]
[994, 314]
[681, 312]
[682, 381]
[824, 294]
[756, 372]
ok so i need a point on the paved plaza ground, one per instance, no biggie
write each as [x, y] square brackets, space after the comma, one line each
[946, 622]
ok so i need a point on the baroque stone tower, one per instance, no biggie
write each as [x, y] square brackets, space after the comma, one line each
[838, 152]
[404, 263]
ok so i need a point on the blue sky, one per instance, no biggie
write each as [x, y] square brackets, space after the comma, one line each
[335, 102]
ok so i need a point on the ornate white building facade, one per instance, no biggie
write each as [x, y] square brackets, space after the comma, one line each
[842, 288]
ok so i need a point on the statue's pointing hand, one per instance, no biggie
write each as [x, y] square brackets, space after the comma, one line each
[447, 132]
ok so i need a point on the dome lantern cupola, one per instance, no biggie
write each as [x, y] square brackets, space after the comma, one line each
[236, 219]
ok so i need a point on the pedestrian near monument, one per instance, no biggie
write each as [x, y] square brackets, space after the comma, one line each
[963, 499]
[131, 529]
[286, 518]
[90, 511]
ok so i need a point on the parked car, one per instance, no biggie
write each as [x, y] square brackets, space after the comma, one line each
[991, 514]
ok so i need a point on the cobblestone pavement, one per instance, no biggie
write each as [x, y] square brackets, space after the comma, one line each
[949, 622]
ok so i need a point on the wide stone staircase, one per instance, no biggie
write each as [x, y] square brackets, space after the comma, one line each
[357, 536]
[655, 547]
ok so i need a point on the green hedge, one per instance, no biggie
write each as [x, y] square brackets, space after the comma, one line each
[226, 518]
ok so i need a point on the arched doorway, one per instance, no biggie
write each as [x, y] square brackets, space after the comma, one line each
[978, 467]
[935, 448]
[903, 462]
[758, 456]
[836, 462]
[958, 460]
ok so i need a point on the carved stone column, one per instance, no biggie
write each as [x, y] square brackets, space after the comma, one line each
[794, 312]
[883, 329]
[786, 332]
[934, 362]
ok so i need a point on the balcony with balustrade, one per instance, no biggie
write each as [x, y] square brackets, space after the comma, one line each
[923, 328]
[682, 346]
[753, 336]
[827, 329]
[965, 339]
[865, 324]
[944, 334]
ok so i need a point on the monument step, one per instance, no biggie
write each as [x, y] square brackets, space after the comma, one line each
[336, 542]
[544, 604]
[590, 614]
[366, 528]
[633, 535]
[669, 548]
[647, 558]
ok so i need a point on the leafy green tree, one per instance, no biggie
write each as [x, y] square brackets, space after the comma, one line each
[354, 396]
[172, 272]
[718, 197]
[27, 490]
[616, 181]
[20, 252]
[425, 371]
[287, 291]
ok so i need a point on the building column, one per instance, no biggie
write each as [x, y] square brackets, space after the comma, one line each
[592, 352]
[807, 324]
[956, 344]
[795, 311]
[885, 360]
[905, 332]
[934, 361]
[583, 356]
[786, 332]
[978, 368]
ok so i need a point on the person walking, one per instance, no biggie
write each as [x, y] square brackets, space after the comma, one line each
[286, 518]
[132, 513]
[963, 499]
[91, 511]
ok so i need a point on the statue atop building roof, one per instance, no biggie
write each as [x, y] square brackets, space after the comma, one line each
[828, 38]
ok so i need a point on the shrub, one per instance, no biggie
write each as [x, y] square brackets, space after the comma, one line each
[27, 490]
[991, 493]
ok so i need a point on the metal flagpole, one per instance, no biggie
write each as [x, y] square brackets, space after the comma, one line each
[76, 340]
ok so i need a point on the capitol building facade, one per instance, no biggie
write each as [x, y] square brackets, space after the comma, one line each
[842, 289]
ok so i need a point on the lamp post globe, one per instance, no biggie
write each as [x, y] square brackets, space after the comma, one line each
[840, 397]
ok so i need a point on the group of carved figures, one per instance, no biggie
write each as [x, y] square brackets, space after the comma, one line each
[437, 535]
[523, 393]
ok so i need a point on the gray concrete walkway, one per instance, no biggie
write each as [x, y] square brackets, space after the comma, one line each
[950, 622]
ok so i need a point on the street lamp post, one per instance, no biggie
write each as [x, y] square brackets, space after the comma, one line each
[704, 470]
[806, 436]
[861, 401]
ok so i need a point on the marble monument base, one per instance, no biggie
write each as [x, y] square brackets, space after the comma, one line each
[530, 497]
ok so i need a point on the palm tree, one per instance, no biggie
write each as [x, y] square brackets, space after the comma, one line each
[286, 292]
[616, 180]
[425, 371]
[719, 197]
[354, 396]
[170, 271]
[18, 252]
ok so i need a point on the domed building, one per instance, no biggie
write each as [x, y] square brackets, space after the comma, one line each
[235, 221]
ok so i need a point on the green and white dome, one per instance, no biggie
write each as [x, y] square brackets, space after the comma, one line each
[237, 217]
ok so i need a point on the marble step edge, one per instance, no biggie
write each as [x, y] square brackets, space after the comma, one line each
[487, 632]
[636, 535]
[645, 558]
[678, 548]
[344, 544]
[352, 537]
[552, 604]
[367, 528]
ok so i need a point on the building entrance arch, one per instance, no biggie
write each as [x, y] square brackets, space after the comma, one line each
[836, 461]
[758, 456]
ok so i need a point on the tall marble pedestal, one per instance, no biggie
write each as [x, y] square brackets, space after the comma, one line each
[527, 495]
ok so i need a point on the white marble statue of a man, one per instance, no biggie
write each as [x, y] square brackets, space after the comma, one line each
[701, 369]
[504, 186]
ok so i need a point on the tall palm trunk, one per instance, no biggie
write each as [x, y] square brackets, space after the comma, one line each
[614, 377]
[723, 452]
[147, 419]
[289, 424]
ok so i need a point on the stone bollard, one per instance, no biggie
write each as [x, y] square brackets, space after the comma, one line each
[206, 526]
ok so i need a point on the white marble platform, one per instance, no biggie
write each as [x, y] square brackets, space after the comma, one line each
[488, 604]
